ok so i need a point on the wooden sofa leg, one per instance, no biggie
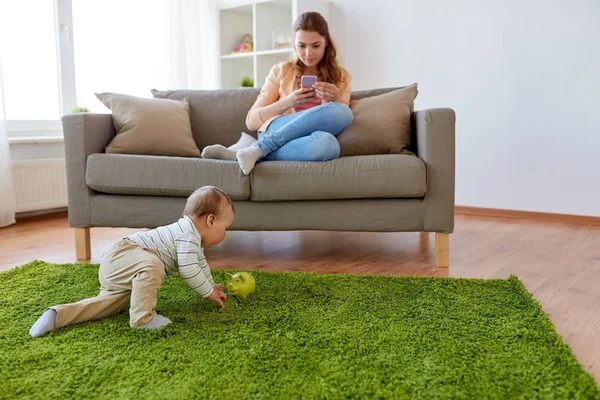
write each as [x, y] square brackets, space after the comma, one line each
[442, 250]
[83, 250]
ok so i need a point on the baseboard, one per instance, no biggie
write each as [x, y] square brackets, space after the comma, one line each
[461, 210]
[527, 215]
[28, 214]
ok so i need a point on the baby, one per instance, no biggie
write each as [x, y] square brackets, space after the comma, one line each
[134, 267]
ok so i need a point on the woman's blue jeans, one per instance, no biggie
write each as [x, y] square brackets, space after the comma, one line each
[307, 135]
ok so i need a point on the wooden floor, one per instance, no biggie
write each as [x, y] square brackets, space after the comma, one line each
[559, 263]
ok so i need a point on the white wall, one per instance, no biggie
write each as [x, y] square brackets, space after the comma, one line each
[522, 76]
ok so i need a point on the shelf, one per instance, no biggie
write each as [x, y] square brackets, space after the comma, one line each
[269, 22]
[245, 54]
[278, 51]
[273, 19]
[229, 4]
[232, 72]
[241, 7]
[258, 53]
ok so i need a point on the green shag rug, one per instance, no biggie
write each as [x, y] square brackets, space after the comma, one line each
[300, 335]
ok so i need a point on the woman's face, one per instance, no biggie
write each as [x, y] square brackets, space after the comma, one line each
[310, 47]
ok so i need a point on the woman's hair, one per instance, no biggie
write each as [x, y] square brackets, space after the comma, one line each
[328, 67]
[207, 200]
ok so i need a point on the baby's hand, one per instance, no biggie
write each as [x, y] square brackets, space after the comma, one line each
[220, 287]
[218, 296]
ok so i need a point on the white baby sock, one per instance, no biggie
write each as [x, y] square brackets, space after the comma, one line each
[44, 324]
[156, 322]
[248, 157]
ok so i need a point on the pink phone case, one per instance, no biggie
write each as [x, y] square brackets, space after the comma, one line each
[308, 80]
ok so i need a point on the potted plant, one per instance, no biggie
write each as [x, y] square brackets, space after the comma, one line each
[77, 109]
[247, 82]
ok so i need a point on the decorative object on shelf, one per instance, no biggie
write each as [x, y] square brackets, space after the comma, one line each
[281, 41]
[247, 82]
[246, 44]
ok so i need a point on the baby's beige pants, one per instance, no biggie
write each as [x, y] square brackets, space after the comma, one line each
[129, 275]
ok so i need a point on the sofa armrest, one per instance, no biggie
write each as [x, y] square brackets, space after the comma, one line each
[84, 133]
[435, 136]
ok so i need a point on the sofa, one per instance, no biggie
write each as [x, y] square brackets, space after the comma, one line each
[370, 193]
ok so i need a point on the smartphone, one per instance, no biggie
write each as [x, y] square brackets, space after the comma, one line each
[308, 80]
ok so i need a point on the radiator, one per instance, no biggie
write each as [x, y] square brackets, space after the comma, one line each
[40, 184]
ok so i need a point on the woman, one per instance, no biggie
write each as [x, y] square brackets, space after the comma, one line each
[308, 135]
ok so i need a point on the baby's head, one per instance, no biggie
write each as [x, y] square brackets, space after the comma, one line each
[212, 212]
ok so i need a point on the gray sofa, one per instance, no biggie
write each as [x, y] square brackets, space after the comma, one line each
[377, 193]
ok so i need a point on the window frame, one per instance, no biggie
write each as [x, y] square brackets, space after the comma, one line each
[32, 130]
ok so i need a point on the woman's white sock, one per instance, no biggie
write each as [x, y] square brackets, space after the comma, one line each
[244, 141]
[248, 157]
[218, 152]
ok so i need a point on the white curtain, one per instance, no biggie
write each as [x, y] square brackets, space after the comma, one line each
[7, 193]
[151, 44]
[194, 44]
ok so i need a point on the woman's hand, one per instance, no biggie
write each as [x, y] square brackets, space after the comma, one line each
[327, 91]
[299, 97]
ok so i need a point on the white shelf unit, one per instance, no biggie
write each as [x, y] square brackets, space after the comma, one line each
[264, 20]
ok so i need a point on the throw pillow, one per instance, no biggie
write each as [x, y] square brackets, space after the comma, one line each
[381, 124]
[158, 127]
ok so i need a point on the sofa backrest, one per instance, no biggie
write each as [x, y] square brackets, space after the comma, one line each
[219, 116]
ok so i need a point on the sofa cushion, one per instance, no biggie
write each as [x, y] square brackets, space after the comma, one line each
[381, 176]
[217, 116]
[381, 125]
[163, 176]
[159, 127]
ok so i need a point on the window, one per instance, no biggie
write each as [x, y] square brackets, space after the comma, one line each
[119, 47]
[56, 54]
[29, 60]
